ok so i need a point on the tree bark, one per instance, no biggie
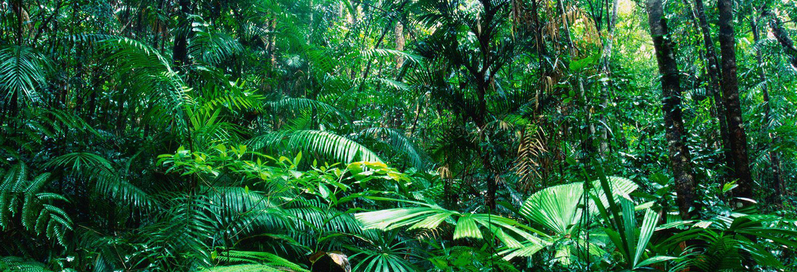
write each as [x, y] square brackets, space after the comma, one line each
[673, 120]
[715, 82]
[733, 109]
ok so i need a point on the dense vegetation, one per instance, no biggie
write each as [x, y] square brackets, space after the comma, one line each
[398, 135]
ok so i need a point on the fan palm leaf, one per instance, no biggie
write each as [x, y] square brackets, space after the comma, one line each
[466, 225]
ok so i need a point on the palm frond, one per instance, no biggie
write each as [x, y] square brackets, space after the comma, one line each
[466, 225]
[22, 265]
[235, 98]
[23, 71]
[297, 105]
[38, 215]
[557, 207]
[107, 181]
[400, 144]
[235, 212]
[381, 52]
[256, 260]
[152, 75]
[530, 149]
[181, 233]
[322, 143]
[244, 268]
[212, 47]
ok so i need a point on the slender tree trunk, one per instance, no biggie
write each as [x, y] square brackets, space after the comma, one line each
[485, 34]
[157, 32]
[774, 158]
[19, 9]
[733, 109]
[448, 179]
[673, 120]
[611, 19]
[783, 38]
[539, 46]
[400, 42]
[715, 82]
[536, 28]
[272, 42]
[570, 45]
[370, 61]
[20, 15]
[484, 154]
[180, 53]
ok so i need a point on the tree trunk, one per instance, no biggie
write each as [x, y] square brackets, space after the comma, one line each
[484, 154]
[783, 38]
[774, 158]
[400, 42]
[180, 53]
[733, 109]
[673, 120]
[272, 43]
[611, 19]
[20, 10]
[715, 83]
[483, 76]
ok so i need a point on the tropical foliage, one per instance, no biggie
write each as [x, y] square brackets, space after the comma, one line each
[398, 135]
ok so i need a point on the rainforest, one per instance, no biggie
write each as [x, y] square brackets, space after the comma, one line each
[398, 135]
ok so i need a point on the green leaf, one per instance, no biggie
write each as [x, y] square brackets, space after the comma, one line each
[467, 228]
[654, 260]
[645, 232]
[555, 207]
[324, 191]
